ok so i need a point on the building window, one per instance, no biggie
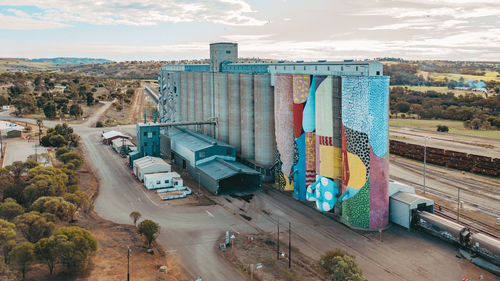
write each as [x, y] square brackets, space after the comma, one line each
[228, 52]
[154, 133]
[145, 144]
[145, 134]
[166, 181]
[378, 72]
[356, 68]
[176, 183]
[158, 182]
[150, 135]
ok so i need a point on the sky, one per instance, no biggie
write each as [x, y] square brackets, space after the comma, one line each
[278, 29]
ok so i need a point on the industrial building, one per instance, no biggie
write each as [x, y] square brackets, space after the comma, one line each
[208, 160]
[319, 129]
[149, 165]
[108, 137]
[122, 145]
[162, 180]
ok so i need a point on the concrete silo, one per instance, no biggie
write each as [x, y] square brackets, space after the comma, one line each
[233, 92]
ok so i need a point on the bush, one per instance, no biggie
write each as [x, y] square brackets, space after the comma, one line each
[442, 128]
[341, 266]
[99, 124]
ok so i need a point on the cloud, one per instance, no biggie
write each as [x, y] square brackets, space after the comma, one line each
[145, 13]
[26, 23]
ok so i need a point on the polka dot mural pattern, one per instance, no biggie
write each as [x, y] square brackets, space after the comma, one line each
[357, 143]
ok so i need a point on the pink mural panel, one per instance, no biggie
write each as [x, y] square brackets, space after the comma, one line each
[379, 191]
[283, 96]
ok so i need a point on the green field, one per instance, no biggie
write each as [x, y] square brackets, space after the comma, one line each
[442, 90]
[455, 127]
[489, 76]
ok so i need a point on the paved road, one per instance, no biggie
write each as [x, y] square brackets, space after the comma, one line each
[193, 232]
[20, 149]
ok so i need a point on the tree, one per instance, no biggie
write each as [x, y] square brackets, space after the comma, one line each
[22, 255]
[150, 230]
[79, 199]
[17, 168]
[341, 266]
[25, 103]
[46, 252]
[74, 157]
[43, 185]
[403, 106]
[57, 140]
[39, 123]
[75, 110]
[7, 235]
[50, 110]
[6, 180]
[10, 209]
[75, 246]
[61, 208]
[34, 226]
[135, 215]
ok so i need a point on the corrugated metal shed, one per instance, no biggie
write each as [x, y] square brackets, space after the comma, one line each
[149, 165]
[197, 148]
[402, 205]
[222, 175]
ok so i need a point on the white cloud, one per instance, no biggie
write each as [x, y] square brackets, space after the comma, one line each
[148, 12]
[25, 23]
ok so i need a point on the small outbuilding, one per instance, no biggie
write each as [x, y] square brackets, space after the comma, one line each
[162, 180]
[108, 137]
[404, 205]
[122, 145]
[11, 130]
[222, 176]
[149, 165]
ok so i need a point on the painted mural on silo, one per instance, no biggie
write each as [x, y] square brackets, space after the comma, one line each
[365, 105]
[284, 130]
[318, 166]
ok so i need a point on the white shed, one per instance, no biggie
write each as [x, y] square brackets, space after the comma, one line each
[149, 165]
[403, 205]
[161, 180]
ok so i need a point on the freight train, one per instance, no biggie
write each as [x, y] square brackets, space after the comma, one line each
[478, 244]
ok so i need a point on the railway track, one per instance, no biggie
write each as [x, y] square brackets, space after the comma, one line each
[449, 197]
[467, 221]
[481, 185]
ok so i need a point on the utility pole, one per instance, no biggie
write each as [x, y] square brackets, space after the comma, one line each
[425, 158]
[278, 257]
[458, 205]
[289, 244]
[199, 189]
[128, 263]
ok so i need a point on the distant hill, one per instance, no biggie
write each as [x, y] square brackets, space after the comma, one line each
[71, 60]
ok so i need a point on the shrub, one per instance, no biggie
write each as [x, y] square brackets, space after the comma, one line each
[341, 266]
[442, 128]
[99, 124]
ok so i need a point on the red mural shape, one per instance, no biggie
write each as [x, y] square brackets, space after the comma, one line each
[298, 109]
[379, 191]
[345, 163]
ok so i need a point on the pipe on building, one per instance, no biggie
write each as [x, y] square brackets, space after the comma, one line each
[184, 96]
[198, 99]
[221, 98]
[207, 101]
[191, 97]
[177, 93]
[247, 116]
[233, 91]
[264, 120]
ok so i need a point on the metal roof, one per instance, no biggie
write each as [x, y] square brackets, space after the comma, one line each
[112, 134]
[162, 175]
[122, 142]
[411, 199]
[193, 141]
[148, 161]
[220, 169]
